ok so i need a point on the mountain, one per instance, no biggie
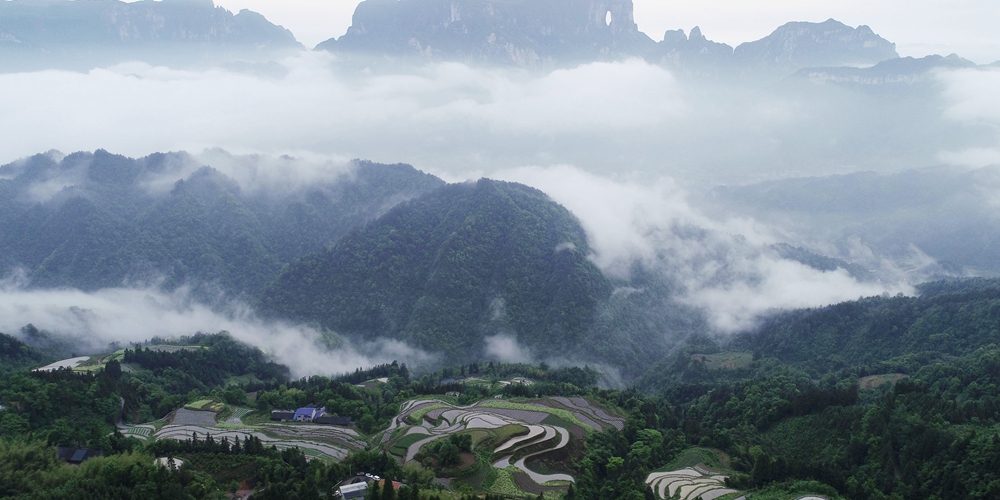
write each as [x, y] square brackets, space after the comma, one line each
[800, 45]
[94, 220]
[528, 34]
[450, 268]
[693, 54]
[950, 320]
[557, 33]
[930, 222]
[44, 34]
[788, 49]
[905, 70]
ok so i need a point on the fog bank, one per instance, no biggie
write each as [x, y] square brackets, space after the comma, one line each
[94, 320]
[724, 267]
[607, 118]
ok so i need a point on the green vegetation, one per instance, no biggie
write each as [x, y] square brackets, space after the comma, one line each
[402, 444]
[724, 360]
[418, 273]
[503, 483]
[446, 452]
[15, 355]
[198, 405]
[889, 424]
[696, 456]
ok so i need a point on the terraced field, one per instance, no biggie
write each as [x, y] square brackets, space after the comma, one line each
[316, 441]
[688, 484]
[517, 431]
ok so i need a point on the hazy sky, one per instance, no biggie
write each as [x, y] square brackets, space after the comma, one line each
[918, 27]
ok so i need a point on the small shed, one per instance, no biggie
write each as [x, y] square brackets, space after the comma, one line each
[356, 490]
[282, 415]
[76, 455]
[333, 420]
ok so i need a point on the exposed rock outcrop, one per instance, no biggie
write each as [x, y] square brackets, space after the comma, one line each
[529, 34]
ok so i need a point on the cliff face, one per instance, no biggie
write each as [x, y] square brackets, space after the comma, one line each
[557, 33]
[525, 33]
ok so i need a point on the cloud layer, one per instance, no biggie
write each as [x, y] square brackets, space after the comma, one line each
[91, 321]
[452, 119]
[724, 267]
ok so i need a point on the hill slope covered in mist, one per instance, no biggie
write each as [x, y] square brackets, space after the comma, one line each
[932, 221]
[96, 220]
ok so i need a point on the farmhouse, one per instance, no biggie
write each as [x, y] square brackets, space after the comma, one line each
[308, 414]
[282, 415]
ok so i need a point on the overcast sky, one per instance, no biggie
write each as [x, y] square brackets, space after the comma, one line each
[918, 27]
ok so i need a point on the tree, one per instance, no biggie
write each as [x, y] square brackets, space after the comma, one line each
[373, 492]
[113, 369]
[388, 492]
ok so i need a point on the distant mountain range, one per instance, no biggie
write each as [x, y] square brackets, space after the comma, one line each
[41, 34]
[789, 48]
[905, 70]
[541, 34]
[933, 221]
[555, 33]
[386, 251]
[530, 34]
[96, 220]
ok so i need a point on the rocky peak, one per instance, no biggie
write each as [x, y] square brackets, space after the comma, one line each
[539, 33]
[694, 54]
[799, 45]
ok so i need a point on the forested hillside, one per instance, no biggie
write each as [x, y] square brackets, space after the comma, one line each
[946, 319]
[94, 220]
[15, 354]
[450, 268]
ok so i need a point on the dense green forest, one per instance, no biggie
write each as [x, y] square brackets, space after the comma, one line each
[93, 220]
[15, 354]
[444, 271]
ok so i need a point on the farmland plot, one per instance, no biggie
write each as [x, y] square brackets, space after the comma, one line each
[688, 483]
[316, 441]
[518, 431]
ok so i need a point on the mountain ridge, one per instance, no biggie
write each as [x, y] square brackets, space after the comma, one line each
[95, 220]
[559, 33]
[43, 34]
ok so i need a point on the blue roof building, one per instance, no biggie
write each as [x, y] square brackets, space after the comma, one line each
[308, 414]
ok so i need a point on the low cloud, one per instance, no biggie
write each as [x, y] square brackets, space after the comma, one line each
[507, 349]
[91, 321]
[255, 172]
[452, 119]
[971, 99]
[724, 267]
